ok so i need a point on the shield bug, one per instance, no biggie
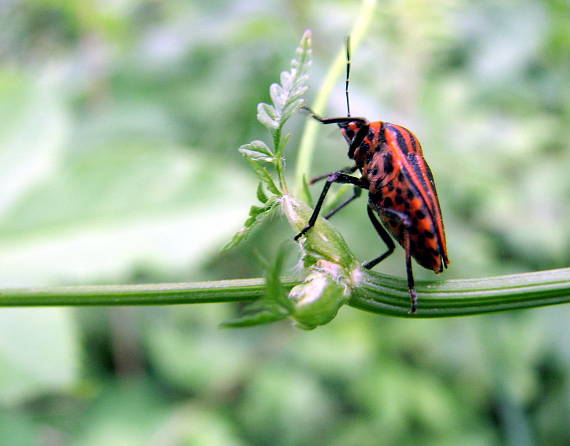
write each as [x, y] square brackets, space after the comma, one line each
[401, 189]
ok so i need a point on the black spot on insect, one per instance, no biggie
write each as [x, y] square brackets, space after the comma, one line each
[374, 171]
[387, 202]
[420, 214]
[421, 239]
[407, 205]
[388, 166]
[400, 177]
[371, 135]
[410, 194]
[413, 230]
[378, 184]
[414, 221]
[434, 252]
[375, 197]
[349, 133]
[364, 146]
[429, 234]
[398, 191]
[399, 199]
[390, 186]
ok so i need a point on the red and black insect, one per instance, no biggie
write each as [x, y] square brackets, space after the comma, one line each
[401, 189]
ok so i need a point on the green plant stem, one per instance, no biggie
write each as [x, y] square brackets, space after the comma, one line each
[279, 167]
[377, 293]
[308, 140]
[243, 290]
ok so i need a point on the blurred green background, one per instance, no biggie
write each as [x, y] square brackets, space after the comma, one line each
[119, 128]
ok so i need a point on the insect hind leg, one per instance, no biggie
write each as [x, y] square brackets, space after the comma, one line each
[385, 238]
[410, 275]
[390, 243]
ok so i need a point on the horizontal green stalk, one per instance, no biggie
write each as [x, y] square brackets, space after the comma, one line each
[377, 293]
[243, 290]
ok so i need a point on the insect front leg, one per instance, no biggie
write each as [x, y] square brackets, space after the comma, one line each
[355, 195]
[349, 169]
[335, 177]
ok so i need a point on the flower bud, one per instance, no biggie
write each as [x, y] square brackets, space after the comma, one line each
[333, 270]
[317, 300]
[322, 241]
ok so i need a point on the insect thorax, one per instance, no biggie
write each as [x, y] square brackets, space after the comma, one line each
[370, 144]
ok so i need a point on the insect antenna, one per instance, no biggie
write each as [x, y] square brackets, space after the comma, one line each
[347, 75]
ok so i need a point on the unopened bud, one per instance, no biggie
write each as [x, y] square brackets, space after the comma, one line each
[322, 241]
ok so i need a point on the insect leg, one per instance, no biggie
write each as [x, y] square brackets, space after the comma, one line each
[410, 274]
[349, 169]
[382, 232]
[385, 238]
[354, 196]
[336, 177]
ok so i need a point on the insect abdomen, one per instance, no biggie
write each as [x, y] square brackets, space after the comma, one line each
[423, 236]
[398, 182]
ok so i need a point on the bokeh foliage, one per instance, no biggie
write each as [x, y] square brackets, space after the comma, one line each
[119, 129]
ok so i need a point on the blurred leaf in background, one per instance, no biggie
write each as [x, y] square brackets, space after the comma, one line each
[119, 129]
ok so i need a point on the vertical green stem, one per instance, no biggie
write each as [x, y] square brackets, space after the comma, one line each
[279, 167]
[306, 149]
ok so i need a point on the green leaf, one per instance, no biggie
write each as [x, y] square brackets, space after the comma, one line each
[261, 195]
[287, 97]
[257, 151]
[291, 108]
[286, 100]
[275, 292]
[255, 315]
[273, 306]
[267, 116]
[265, 176]
[278, 96]
[256, 215]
